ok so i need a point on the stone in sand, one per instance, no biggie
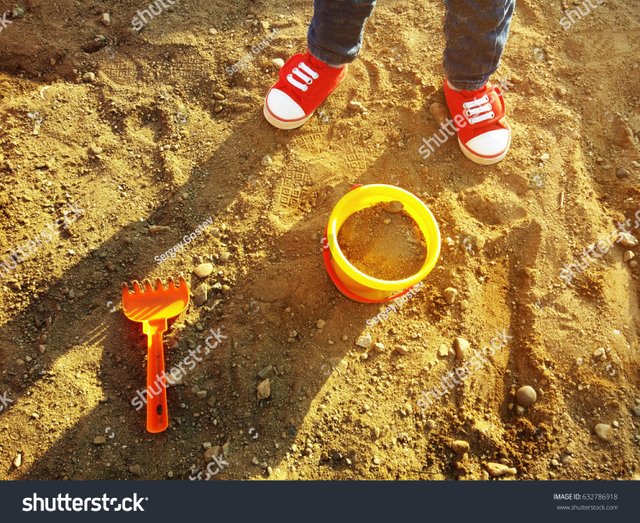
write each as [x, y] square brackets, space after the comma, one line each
[203, 270]
[394, 207]
[627, 239]
[498, 469]
[264, 389]
[200, 294]
[526, 396]
[450, 294]
[603, 431]
[461, 346]
[364, 341]
[460, 447]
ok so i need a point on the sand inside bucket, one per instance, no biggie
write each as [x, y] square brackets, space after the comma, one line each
[383, 241]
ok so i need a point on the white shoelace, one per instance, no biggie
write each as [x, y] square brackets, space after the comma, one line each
[305, 73]
[478, 110]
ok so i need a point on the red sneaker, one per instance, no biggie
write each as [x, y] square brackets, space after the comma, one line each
[303, 85]
[480, 119]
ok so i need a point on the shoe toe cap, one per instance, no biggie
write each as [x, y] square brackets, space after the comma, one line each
[491, 143]
[282, 106]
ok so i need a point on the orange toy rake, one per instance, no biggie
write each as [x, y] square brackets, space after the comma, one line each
[153, 307]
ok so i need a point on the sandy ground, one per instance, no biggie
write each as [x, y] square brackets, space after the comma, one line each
[106, 171]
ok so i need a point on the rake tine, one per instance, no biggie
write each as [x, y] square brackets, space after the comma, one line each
[171, 283]
[182, 281]
[125, 287]
[159, 285]
[136, 287]
[147, 285]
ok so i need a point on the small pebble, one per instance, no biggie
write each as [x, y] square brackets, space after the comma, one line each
[461, 346]
[266, 161]
[277, 63]
[357, 106]
[402, 349]
[89, 77]
[394, 207]
[203, 270]
[320, 324]
[600, 354]
[95, 150]
[157, 229]
[200, 294]
[603, 431]
[460, 447]
[627, 239]
[264, 389]
[379, 347]
[136, 470]
[106, 19]
[99, 440]
[628, 256]
[526, 396]
[17, 462]
[443, 351]
[364, 341]
[450, 294]
[201, 394]
[621, 172]
[498, 469]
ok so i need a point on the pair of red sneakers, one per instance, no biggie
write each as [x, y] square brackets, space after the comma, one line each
[305, 82]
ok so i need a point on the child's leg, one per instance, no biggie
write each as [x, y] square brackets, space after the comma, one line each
[476, 33]
[335, 33]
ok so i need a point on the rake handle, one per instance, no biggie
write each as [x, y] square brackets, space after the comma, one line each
[157, 412]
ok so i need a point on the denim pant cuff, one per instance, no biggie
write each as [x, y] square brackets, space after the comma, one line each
[467, 85]
[334, 60]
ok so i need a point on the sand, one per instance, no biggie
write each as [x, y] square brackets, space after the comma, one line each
[164, 136]
[385, 245]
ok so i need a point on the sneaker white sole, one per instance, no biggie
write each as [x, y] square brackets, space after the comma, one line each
[283, 124]
[483, 160]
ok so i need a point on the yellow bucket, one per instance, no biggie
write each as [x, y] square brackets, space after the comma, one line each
[357, 285]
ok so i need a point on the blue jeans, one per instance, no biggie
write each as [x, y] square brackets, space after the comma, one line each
[476, 32]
